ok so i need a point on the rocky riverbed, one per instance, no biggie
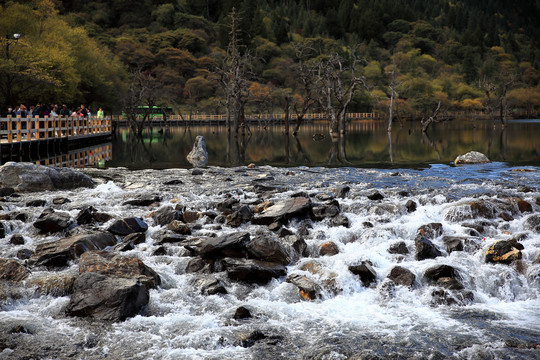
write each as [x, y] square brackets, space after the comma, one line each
[270, 263]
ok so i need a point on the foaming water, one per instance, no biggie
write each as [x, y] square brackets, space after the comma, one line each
[349, 320]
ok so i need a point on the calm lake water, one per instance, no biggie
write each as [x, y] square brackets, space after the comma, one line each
[367, 144]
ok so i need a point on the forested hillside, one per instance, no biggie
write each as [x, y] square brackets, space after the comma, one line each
[466, 55]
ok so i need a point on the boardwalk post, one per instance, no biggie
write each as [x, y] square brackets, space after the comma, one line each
[18, 129]
[10, 129]
[37, 128]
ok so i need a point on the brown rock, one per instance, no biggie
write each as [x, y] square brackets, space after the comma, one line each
[402, 276]
[190, 216]
[112, 265]
[329, 248]
[294, 208]
[12, 270]
[307, 288]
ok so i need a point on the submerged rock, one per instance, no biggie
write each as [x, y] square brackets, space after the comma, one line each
[28, 177]
[472, 157]
[198, 156]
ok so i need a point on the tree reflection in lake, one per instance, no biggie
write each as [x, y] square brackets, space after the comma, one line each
[368, 144]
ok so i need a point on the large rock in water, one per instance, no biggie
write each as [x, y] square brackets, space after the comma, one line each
[253, 271]
[198, 156]
[115, 265]
[128, 226]
[31, 177]
[283, 211]
[504, 252]
[111, 287]
[230, 245]
[12, 270]
[58, 253]
[472, 157]
[106, 298]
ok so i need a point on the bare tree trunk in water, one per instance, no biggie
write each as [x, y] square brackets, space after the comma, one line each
[299, 120]
[390, 147]
[287, 116]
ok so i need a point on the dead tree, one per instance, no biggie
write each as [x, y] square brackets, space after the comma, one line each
[394, 84]
[336, 82]
[233, 77]
[142, 96]
[305, 74]
[495, 90]
[432, 119]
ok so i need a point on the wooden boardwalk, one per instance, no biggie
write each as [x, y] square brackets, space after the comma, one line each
[17, 130]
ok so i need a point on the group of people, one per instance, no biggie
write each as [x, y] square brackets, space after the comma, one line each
[52, 110]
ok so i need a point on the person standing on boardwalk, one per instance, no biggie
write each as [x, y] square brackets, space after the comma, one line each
[21, 111]
[100, 113]
[84, 112]
[65, 111]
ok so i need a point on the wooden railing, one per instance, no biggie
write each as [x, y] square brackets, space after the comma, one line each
[251, 117]
[17, 129]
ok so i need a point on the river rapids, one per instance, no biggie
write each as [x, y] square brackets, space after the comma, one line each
[500, 320]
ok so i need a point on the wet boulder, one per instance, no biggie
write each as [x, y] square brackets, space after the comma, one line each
[448, 298]
[453, 243]
[28, 177]
[267, 249]
[198, 156]
[425, 249]
[328, 248]
[253, 271]
[165, 215]
[51, 221]
[440, 271]
[36, 203]
[209, 285]
[297, 243]
[504, 252]
[230, 245]
[376, 196]
[240, 216]
[179, 227]
[401, 276]
[242, 313]
[366, 273]
[340, 220]
[307, 288]
[430, 231]
[320, 211]
[283, 211]
[190, 216]
[114, 265]
[398, 248]
[59, 252]
[532, 223]
[128, 226]
[107, 298]
[12, 270]
[143, 201]
[410, 205]
[472, 157]
[89, 215]
[16, 239]
[53, 284]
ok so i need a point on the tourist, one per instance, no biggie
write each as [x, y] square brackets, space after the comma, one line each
[37, 111]
[65, 111]
[45, 111]
[83, 110]
[100, 113]
[10, 112]
[21, 111]
[54, 111]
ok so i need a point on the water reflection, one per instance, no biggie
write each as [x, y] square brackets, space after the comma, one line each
[91, 156]
[367, 144]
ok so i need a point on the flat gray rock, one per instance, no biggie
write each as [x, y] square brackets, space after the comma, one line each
[28, 177]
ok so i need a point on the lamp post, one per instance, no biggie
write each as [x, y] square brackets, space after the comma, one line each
[10, 40]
